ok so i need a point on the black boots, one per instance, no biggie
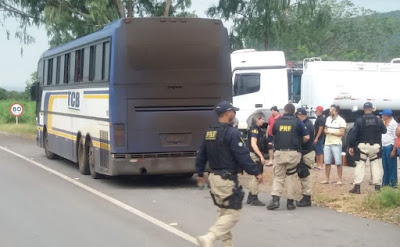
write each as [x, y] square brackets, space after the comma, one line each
[377, 188]
[290, 204]
[253, 200]
[356, 189]
[274, 203]
[304, 202]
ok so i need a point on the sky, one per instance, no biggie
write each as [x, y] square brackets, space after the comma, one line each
[15, 70]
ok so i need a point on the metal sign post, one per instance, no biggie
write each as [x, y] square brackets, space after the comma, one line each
[16, 110]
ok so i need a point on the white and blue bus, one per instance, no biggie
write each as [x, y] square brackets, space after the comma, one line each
[135, 97]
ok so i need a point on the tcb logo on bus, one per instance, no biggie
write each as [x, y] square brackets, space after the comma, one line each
[73, 99]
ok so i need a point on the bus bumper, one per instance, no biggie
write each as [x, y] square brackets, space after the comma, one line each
[152, 166]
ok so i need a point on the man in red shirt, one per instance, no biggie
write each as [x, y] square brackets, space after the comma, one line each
[274, 116]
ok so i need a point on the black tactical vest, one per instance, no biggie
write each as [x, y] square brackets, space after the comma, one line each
[218, 152]
[370, 130]
[259, 138]
[286, 136]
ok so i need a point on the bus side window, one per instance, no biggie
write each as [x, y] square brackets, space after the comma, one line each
[49, 71]
[92, 63]
[99, 64]
[58, 66]
[105, 61]
[79, 62]
[66, 68]
[86, 64]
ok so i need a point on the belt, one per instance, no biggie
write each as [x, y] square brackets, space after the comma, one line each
[225, 174]
[286, 149]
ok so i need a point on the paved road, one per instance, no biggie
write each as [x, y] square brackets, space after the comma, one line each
[40, 209]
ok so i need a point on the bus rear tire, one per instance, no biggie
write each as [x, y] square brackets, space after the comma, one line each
[91, 161]
[83, 161]
[49, 155]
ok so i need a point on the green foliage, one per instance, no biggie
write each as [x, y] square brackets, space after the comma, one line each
[333, 29]
[29, 115]
[387, 198]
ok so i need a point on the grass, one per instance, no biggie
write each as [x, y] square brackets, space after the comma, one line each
[28, 116]
[387, 198]
[24, 129]
[27, 121]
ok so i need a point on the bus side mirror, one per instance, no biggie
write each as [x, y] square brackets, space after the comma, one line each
[34, 91]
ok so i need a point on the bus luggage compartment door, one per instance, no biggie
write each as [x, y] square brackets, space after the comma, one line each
[167, 127]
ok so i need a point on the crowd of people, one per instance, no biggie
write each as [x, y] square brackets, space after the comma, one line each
[295, 146]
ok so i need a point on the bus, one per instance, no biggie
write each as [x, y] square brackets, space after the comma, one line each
[135, 97]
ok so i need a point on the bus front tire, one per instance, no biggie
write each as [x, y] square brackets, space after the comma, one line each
[91, 161]
[83, 161]
[49, 155]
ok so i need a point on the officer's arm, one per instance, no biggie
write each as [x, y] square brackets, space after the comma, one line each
[383, 128]
[241, 154]
[201, 160]
[303, 131]
[354, 134]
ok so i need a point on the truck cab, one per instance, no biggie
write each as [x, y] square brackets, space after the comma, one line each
[260, 81]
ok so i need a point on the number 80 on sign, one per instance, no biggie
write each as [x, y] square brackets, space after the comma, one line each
[16, 109]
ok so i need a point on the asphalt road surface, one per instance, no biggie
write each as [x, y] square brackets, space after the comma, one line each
[49, 203]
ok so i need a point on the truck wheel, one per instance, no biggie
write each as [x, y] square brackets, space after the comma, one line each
[83, 161]
[49, 154]
[91, 161]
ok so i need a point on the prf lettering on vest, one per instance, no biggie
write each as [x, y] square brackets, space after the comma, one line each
[285, 128]
[211, 135]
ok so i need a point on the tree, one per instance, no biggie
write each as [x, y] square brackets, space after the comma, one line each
[24, 11]
[333, 29]
[70, 19]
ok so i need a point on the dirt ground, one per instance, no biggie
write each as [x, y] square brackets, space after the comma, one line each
[336, 197]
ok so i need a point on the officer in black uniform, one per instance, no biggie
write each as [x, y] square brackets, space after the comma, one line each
[257, 142]
[227, 155]
[365, 143]
[289, 132]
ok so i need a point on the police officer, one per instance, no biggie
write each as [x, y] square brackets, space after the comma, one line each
[289, 132]
[227, 155]
[256, 142]
[365, 142]
[308, 158]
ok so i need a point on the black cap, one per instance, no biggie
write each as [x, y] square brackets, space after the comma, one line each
[368, 105]
[301, 111]
[274, 108]
[225, 106]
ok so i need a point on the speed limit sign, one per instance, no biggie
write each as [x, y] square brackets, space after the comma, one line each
[16, 109]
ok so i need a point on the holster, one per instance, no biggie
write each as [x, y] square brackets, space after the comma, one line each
[234, 200]
[302, 170]
[357, 154]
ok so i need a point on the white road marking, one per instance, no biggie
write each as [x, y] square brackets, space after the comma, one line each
[110, 199]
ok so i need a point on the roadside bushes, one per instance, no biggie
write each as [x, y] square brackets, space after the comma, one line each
[28, 116]
[388, 197]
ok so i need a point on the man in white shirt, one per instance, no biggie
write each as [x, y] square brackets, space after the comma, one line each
[335, 128]
[389, 160]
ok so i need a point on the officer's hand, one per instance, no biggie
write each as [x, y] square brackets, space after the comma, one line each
[351, 151]
[201, 182]
[259, 178]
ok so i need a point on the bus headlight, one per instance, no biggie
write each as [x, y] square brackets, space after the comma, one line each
[119, 135]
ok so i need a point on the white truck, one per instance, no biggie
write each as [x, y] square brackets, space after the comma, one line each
[259, 82]
[349, 85]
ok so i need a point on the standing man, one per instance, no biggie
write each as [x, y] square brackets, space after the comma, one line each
[255, 139]
[289, 132]
[227, 155]
[365, 141]
[274, 116]
[389, 160]
[319, 126]
[308, 157]
[335, 128]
